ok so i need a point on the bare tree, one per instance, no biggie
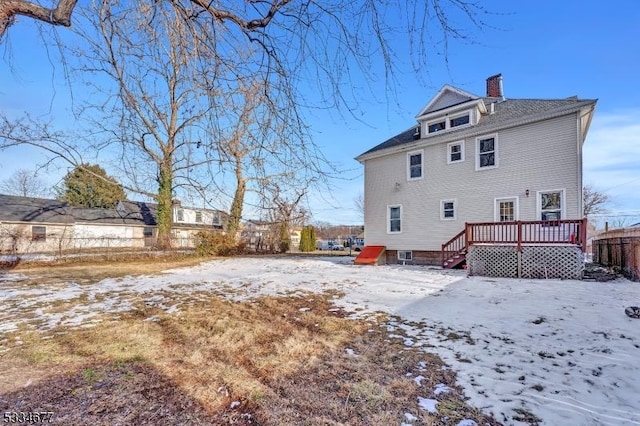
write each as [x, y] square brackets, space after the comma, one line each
[58, 15]
[172, 63]
[594, 201]
[24, 183]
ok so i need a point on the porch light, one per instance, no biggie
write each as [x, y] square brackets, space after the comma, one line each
[526, 193]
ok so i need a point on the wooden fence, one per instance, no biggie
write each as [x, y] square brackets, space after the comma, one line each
[619, 249]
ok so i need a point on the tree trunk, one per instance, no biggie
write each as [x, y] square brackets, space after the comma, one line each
[164, 199]
[235, 215]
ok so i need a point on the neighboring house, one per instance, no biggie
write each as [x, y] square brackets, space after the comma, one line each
[476, 159]
[257, 235]
[43, 225]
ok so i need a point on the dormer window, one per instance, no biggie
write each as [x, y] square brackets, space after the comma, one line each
[436, 127]
[460, 120]
[449, 122]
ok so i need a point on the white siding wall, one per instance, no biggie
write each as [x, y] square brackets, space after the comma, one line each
[539, 156]
[189, 216]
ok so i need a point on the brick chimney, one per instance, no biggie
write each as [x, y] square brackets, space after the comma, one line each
[494, 86]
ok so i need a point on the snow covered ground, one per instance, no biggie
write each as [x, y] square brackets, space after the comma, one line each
[563, 351]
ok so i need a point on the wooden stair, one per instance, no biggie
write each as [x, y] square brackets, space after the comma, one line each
[455, 260]
[454, 251]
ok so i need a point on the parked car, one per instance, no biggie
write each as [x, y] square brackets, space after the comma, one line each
[337, 247]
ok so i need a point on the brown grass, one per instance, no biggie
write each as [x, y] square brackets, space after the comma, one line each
[267, 362]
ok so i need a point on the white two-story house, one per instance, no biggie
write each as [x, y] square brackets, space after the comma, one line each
[477, 160]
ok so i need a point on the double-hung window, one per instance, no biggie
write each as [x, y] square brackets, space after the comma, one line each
[415, 165]
[198, 217]
[394, 219]
[551, 204]
[486, 152]
[448, 209]
[455, 152]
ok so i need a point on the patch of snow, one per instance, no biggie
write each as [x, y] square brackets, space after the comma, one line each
[418, 380]
[410, 417]
[234, 404]
[350, 352]
[428, 404]
[576, 366]
[467, 422]
[441, 388]
[304, 309]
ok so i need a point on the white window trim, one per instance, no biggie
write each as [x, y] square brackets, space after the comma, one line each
[434, 121]
[404, 258]
[496, 150]
[472, 113]
[454, 116]
[455, 209]
[178, 218]
[563, 202]
[389, 207]
[409, 154]
[516, 207]
[449, 145]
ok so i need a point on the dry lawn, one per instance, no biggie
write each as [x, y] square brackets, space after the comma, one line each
[271, 361]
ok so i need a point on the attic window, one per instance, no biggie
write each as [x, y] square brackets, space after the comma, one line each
[449, 122]
[460, 121]
[198, 217]
[180, 215]
[436, 127]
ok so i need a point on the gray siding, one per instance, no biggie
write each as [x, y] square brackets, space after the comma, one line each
[539, 156]
[448, 98]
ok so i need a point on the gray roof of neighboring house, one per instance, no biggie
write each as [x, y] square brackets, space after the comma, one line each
[507, 113]
[26, 209]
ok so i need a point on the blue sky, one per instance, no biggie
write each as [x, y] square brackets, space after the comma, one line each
[544, 49]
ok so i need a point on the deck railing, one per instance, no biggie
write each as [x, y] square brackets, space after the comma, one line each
[566, 231]
[554, 232]
[454, 246]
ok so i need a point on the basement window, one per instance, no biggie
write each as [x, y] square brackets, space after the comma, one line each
[405, 255]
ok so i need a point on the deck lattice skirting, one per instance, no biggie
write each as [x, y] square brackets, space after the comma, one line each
[564, 262]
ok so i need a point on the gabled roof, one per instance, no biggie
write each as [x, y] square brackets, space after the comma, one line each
[507, 113]
[446, 97]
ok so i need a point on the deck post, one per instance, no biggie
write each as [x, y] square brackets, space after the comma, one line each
[583, 235]
[519, 242]
[468, 236]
